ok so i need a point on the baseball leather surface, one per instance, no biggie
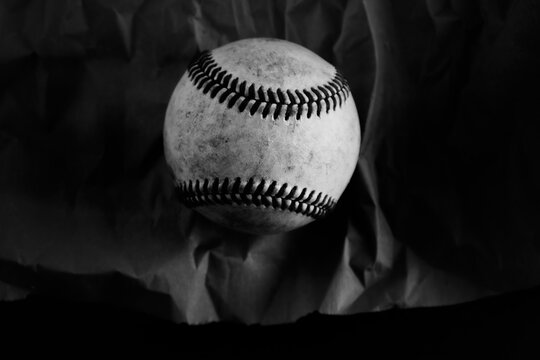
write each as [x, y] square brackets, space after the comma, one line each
[262, 135]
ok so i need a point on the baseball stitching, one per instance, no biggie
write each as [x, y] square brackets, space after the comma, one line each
[258, 193]
[205, 74]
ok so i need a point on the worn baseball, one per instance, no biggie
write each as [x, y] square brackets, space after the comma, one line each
[261, 135]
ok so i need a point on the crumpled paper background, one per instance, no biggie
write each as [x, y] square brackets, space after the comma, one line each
[442, 208]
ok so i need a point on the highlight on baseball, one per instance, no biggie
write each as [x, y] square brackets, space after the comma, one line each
[261, 135]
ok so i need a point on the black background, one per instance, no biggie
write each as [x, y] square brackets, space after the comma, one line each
[499, 327]
[480, 86]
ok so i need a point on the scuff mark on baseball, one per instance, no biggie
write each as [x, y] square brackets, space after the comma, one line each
[261, 135]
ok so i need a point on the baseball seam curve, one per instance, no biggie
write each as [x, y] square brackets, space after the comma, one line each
[261, 193]
[207, 76]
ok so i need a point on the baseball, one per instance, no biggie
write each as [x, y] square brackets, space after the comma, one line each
[261, 135]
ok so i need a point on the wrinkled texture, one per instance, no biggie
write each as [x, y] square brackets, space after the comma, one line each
[442, 207]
